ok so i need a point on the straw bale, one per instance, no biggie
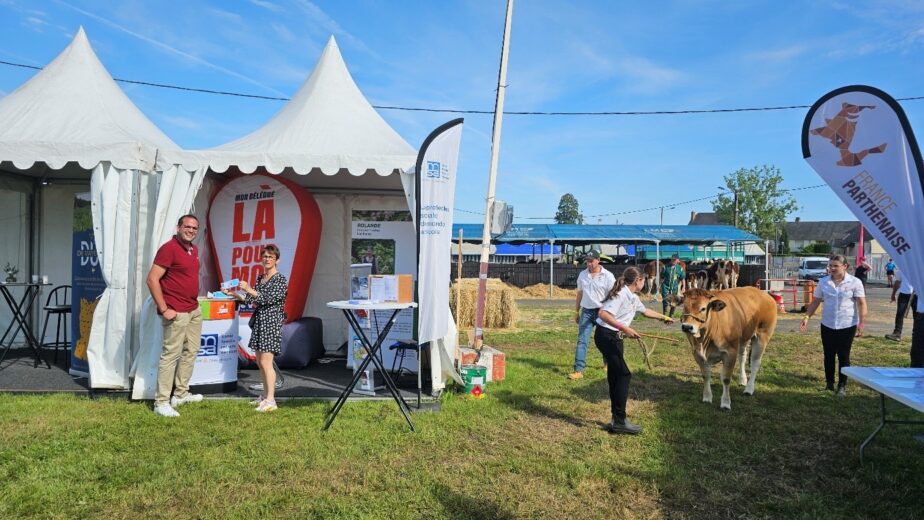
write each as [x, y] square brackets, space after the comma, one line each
[500, 304]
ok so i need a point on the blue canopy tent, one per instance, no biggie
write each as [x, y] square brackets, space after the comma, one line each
[579, 234]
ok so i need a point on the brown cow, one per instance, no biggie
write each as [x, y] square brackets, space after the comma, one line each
[719, 327]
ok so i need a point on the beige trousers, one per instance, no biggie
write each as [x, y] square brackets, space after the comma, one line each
[178, 357]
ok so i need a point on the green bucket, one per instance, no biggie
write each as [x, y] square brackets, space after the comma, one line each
[474, 377]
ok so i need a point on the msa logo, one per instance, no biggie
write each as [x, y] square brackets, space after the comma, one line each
[208, 345]
[437, 170]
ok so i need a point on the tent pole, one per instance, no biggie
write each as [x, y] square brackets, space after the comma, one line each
[551, 266]
[492, 179]
[766, 264]
[658, 265]
[130, 316]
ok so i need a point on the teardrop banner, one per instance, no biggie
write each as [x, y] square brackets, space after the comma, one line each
[253, 211]
[860, 142]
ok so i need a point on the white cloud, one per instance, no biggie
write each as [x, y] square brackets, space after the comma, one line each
[331, 26]
[172, 50]
[647, 75]
[776, 56]
[181, 122]
[270, 6]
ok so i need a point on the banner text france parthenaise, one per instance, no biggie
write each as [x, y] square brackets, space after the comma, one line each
[875, 202]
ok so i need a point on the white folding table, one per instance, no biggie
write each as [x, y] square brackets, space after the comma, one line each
[905, 385]
[349, 307]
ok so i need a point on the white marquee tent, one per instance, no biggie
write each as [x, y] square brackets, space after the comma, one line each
[71, 121]
[330, 140]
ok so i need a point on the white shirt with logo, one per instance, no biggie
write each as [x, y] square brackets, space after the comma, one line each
[840, 302]
[594, 288]
[623, 308]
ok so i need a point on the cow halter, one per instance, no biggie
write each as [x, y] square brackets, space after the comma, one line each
[697, 318]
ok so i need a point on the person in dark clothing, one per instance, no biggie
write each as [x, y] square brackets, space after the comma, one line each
[862, 271]
[614, 320]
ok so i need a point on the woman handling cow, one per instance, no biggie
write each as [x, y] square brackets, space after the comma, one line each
[269, 294]
[842, 318]
[615, 320]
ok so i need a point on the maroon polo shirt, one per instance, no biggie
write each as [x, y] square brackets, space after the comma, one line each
[180, 284]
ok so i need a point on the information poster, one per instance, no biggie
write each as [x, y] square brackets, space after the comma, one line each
[386, 241]
[87, 284]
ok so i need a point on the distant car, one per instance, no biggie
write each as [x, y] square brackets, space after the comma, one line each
[813, 268]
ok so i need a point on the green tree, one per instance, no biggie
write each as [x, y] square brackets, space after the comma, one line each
[568, 212]
[762, 203]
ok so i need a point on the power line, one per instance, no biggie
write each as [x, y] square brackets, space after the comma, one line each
[659, 206]
[459, 111]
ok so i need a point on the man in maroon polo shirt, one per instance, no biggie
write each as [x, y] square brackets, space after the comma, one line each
[174, 284]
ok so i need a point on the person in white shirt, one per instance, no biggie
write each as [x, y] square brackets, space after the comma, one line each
[615, 323]
[593, 284]
[906, 299]
[842, 318]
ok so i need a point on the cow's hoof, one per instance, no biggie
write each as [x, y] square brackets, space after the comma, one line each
[707, 400]
[725, 408]
[748, 392]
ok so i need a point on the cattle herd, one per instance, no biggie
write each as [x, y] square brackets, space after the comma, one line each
[708, 275]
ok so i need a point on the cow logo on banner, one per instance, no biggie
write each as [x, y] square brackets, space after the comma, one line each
[253, 211]
[860, 142]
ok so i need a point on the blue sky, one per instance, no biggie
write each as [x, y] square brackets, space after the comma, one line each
[564, 56]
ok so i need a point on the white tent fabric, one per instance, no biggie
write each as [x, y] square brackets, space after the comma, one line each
[328, 126]
[176, 191]
[72, 110]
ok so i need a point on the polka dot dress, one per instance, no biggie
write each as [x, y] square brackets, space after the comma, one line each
[266, 327]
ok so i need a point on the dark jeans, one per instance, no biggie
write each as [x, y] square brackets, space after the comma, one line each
[618, 374]
[917, 341]
[837, 342]
[904, 301]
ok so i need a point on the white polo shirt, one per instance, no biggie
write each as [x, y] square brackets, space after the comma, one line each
[840, 302]
[623, 307]
[594, 288]
[905, 287]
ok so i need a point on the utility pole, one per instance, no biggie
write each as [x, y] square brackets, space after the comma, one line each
[735, 193]
[492, 176]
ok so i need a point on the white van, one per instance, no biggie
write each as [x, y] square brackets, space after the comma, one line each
[813, 268]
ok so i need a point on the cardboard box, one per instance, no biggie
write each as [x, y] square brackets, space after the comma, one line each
[391, 288]
[216, 309]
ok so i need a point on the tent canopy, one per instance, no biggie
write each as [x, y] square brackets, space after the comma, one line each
[73, 112]
[327, 127]
[576, 234]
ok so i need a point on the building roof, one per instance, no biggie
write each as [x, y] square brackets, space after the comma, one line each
[608, 234]
[703, 219]
[836, 232]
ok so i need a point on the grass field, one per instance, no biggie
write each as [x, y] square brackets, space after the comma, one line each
[533, 448]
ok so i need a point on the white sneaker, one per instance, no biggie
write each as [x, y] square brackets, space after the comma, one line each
[165, 410]
[189, 398]
[257, 401]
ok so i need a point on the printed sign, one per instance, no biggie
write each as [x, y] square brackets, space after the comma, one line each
[252, 211]
[860, 142]
[87, 284]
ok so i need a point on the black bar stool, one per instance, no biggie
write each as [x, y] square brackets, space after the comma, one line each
[58, 304]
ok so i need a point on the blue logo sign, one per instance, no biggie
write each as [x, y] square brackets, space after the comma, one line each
[437, 170]
[433, 169]
[208, 345]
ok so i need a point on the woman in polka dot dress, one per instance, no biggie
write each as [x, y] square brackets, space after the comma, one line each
[269, 294]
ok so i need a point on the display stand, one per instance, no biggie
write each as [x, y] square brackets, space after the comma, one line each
[348, 308]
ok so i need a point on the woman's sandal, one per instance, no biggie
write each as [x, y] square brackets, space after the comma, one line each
[267, 406]
[258, 401]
